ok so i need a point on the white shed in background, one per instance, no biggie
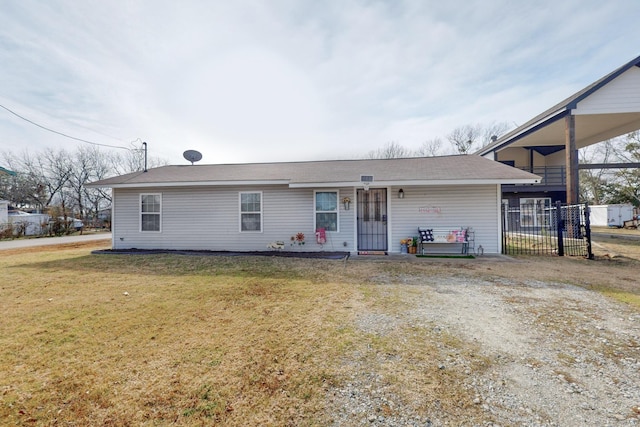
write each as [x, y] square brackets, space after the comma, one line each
[4, 211]
[611, 215]
[34, 224]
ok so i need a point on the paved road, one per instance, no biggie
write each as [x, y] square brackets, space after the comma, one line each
[28, 243]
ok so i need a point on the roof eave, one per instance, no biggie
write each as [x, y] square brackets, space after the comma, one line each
[426, 182]
[520, 133]
[187, 184]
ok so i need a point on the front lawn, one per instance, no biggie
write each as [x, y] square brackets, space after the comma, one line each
[195, 340]
[122, 340]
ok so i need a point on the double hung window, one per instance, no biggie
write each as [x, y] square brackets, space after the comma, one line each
[251, 211]
[150, 212]
[326, 210]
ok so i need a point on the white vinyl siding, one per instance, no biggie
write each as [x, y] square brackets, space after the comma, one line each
[206, 218]
[621, 95]
[447, 206]
[326, 210]
[251, 211]
[151, 212]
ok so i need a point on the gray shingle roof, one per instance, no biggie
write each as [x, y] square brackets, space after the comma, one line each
[459, 169]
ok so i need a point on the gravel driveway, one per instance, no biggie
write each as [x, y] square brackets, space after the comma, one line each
[557, 354]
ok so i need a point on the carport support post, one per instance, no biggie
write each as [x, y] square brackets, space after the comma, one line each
[571, 160]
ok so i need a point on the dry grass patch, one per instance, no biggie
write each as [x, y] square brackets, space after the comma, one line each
[117, 340]
[191, 340]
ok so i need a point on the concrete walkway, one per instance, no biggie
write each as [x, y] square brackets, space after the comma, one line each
[45, 241]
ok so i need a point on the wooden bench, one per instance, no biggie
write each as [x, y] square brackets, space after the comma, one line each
[443, 235]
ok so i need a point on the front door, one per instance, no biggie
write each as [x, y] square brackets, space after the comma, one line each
[372, 220]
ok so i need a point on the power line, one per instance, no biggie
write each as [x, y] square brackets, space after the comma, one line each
[60, 133]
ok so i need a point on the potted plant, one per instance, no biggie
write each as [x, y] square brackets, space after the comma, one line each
[413, 248]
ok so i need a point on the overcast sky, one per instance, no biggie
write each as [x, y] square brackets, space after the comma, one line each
[281, 80]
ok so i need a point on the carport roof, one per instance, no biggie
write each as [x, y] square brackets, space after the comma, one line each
[607, 108]
[444, 170]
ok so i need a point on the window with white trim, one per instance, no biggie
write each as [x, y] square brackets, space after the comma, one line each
[150, 212]
[251, 211]
[326, 210]
[535, 212]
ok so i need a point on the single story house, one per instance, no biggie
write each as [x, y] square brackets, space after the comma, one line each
[342, 205]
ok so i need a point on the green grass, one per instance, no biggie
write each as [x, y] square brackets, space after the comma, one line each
[446, 256]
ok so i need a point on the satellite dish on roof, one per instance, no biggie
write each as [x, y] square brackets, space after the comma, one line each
[192, 156]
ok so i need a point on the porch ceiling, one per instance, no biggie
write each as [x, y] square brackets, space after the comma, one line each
[590, 129]
[607, 108]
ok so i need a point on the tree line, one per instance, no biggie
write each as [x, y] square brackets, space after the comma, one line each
[597, 186]
[53, 181]
[461, 140]
[611, 186]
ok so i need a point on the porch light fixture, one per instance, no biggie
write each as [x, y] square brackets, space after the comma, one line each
[401, 194]
[346, 202]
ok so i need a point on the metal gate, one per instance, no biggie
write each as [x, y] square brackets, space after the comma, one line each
[543, 229]
[372, 220]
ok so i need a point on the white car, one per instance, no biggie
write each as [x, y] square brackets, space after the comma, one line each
[19, 213]
[73, 222]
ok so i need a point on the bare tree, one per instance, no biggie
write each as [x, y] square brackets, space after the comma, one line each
[42, 177]
[602, 186]
[629, 179]
[55, 180]
[132, 160]
[593, 182]
[56, 167]
[85, 163]
[493, 131]
[98, 199]
[391, 150]
[464, 137]
[22, 190]
[430, 148]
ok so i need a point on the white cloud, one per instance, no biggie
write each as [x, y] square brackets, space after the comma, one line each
[288, 80]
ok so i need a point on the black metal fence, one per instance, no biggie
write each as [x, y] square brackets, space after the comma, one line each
[542, 229]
